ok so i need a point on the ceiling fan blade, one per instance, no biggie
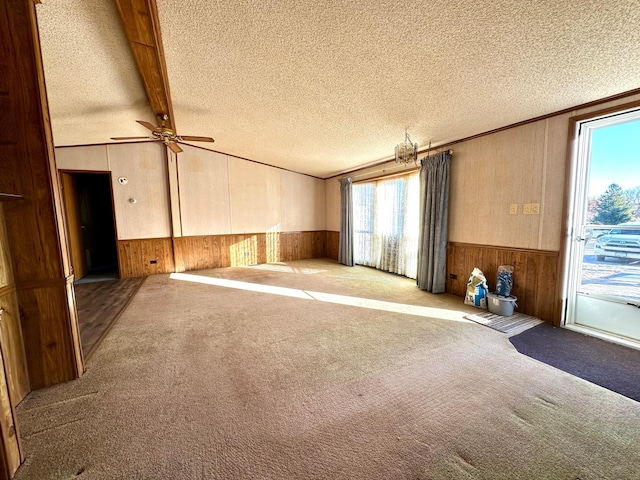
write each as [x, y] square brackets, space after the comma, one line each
[148, 125]
[174, 147]
[132, 138]
[191, 138]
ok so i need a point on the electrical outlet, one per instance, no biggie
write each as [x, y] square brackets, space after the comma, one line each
[526, 209]
[535, 209]
[513, 209]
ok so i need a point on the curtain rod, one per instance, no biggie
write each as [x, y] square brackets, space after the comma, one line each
[392, 166]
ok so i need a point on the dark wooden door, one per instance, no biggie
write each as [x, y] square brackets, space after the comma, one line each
[74, 224]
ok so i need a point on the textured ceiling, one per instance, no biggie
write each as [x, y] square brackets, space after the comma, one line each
[93, 85]
[323, 87]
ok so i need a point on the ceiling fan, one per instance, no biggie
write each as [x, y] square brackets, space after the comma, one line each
[165, 135]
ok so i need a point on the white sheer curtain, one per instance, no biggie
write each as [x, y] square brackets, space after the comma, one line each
[386, 228]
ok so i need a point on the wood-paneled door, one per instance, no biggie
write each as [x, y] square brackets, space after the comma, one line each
[74, 224]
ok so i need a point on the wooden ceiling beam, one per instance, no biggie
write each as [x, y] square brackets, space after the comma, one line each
[142, 27]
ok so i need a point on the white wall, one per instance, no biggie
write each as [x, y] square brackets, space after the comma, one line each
[144, 167]
[211, 193]
[256, 197]
[204, 192]
[332, 194]
[303, 204]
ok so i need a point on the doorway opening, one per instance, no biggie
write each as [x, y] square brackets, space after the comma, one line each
[603, 287]
[90, 226]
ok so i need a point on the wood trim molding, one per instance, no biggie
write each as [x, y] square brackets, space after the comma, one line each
[90, 172]
[142, 27]
[606, 111]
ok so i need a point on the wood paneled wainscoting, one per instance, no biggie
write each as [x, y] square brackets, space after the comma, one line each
[139, 258]
[215, 251]
[535, 274]
[142, 257]
[332, 245]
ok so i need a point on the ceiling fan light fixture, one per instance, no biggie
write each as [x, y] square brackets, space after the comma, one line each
[165, 135]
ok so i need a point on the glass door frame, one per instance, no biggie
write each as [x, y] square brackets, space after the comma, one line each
[580, 131]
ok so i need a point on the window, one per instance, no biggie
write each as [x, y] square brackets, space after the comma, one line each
[386, 224]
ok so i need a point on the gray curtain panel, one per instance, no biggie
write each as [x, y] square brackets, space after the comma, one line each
[345, 250]
[434, 212]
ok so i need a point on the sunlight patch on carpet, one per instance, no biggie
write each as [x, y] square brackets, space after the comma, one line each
[284, 268]
[422, 311]
[516, 323]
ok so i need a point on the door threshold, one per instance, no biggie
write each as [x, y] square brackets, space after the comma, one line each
[609, 337]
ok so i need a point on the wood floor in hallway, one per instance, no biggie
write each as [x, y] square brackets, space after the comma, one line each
[99, 305]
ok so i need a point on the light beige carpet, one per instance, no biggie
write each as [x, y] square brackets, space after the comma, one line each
[234, 380]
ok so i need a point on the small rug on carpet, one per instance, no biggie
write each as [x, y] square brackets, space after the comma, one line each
[516, 323]
[607, 364]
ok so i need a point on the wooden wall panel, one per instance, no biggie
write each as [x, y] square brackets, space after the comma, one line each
[10, 452]
[139, 258]
[215, 251]
[301, 245]
[35, 230]
[12, 342]
[6, 271]
[332, 245]
[41, 306]
[10, 329]
[535, 274]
